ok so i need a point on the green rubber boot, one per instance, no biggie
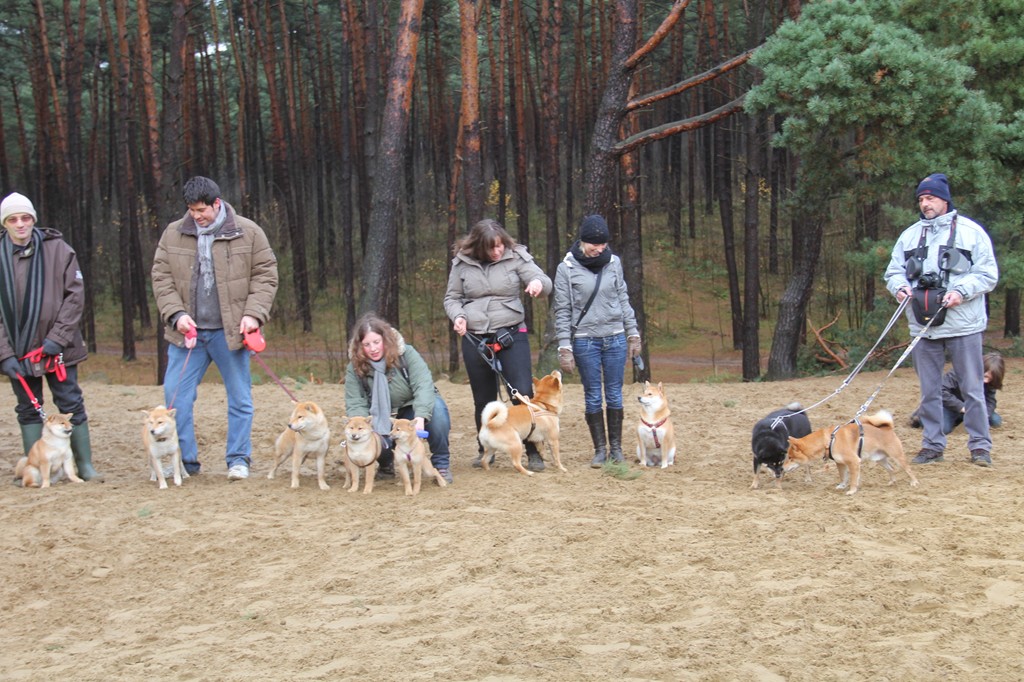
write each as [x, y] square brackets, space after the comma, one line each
[82, 450]
[30, 433]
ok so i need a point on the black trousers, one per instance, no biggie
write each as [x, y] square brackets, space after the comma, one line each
[67, 396]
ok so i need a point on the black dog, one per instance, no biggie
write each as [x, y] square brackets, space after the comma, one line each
[770, 440]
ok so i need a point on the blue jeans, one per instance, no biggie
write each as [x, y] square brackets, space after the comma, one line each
[601, 362]
[438, 426]
[181, 382]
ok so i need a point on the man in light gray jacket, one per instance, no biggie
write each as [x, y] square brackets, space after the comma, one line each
[945, 263]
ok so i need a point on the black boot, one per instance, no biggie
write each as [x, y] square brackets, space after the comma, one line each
[595, 420]
[534, 462]
[615, 433]
[386, 460]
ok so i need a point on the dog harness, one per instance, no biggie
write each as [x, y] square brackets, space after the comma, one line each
[533, 410]
[654, 430]
[860, 441]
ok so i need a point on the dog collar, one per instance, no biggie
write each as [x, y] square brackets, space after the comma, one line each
[654, 430]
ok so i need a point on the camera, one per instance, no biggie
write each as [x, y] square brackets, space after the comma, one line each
[930, 280]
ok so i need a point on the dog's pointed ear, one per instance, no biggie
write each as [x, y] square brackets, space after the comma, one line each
[145, 412]
[295, 402]
[660, 388]
[173, 411]
[535, 382]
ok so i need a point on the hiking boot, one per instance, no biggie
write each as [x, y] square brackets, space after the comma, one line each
[446, 474]
[238, 472]
[928, 457]
[534, 461]
[981, 458]
[385, 471]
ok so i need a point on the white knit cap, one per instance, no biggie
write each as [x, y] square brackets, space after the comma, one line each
[16, 203]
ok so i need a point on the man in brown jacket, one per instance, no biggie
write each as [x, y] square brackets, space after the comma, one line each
[214, 279]
[42, 295]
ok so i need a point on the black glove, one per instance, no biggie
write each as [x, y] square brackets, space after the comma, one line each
[51, 347]
[11, 367]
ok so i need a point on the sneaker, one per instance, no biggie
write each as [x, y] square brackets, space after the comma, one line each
[981, 458]
[915, 421]
[446, 474]
[238, 472]
[928, 457]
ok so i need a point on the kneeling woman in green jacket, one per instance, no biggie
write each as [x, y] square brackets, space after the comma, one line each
[387, 377]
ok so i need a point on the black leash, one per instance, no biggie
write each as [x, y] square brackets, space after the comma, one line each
[489, 354]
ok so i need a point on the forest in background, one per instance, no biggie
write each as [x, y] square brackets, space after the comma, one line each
[365, 136]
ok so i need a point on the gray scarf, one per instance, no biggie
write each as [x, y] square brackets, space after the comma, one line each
[380, 397]
[206, 248]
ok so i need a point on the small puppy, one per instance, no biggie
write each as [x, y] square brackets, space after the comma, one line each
[160, 436]
[307, 434]
[504, 428]
[50, 455]
[655, 431]
[411, 453]
[880, 444]
[361, 450]
[770, 439]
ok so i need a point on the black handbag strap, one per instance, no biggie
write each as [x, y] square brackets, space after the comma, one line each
[586, 308]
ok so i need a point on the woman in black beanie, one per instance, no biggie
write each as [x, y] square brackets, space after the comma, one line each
[596, 329]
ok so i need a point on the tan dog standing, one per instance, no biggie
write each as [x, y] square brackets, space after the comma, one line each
[880, 444]
[655, 430]
[410, 452]
[504, 428]
[50, 455]
[160, 436]
[361, 450]
[307, 434]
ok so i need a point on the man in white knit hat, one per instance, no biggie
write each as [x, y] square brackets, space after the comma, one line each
[42, 296]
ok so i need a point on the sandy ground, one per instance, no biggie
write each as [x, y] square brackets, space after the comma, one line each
[678, 574]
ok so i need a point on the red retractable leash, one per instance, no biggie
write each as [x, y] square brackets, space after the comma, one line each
[256, 344]
[52, 364]
[190, 334]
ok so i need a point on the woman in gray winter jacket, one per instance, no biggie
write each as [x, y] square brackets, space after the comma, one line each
[489, 274]
[596, 330]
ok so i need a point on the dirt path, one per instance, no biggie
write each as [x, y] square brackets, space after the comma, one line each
[679, 574]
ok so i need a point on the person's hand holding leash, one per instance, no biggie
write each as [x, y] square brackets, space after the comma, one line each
[51, 347]
[10, 367]
[459, 326]
[187, 327]
[952, 299]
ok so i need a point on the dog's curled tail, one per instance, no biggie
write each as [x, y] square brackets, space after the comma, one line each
[882, 419]
[495, 413]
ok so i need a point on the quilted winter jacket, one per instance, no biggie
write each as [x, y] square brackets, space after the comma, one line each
[609, 314]
[244, 265]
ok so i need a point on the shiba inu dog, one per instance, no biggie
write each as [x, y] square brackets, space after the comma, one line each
[875, 439]
[654, 431]
[411, 453]
[50, 455]
[307, 434]
[361, 450]
[504, 428]
[160, 436]
[770, 439]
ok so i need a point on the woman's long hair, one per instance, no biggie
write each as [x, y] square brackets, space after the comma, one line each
[483, 237]
[370, 322]
[994, 364]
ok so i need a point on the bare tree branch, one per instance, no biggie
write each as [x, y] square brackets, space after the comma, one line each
[666, 27]
[669, 129]
[693, 81]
